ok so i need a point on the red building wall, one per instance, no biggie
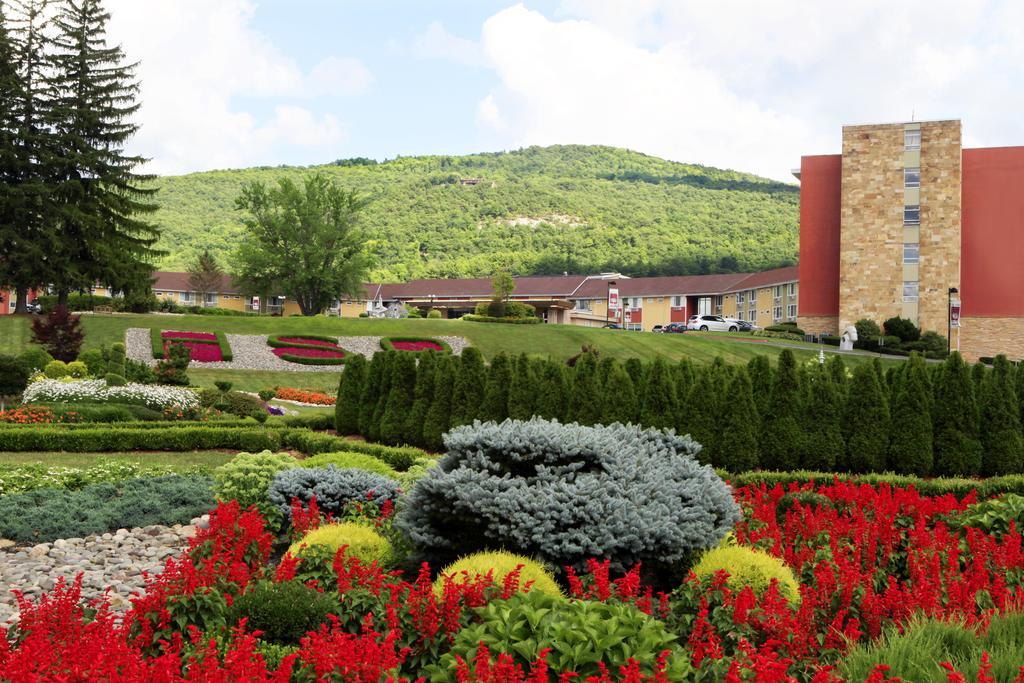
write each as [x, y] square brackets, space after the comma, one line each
[820, 195]
[992, 236]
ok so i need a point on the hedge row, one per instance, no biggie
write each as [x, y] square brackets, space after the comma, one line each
[311, 443]
[274, 340]
[157, 340]
[472, 317]
[148, 424]
[105, 439]
[388, 343]
[313, 360]
[957, 486]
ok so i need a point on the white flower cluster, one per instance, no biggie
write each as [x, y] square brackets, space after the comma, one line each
[96, 390]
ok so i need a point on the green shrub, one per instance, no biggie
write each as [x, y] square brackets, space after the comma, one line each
[36, 357]
[56, 369]
[32, 476]
[359, 540]
[77, 369]
[284, 612]
[388, 343]
[433, 314]
[545, 489]
[47, 514]
[266, 394]
[359, 461]
[223, 385]
[273, 653]
[95, 364]
[335, 489]
[782, 436]
[491, 319]
[158, 437]
[400, 458]
[172, 369]
[902, 328]
[937, 486]
[499, 564]
[247, 476]
[14, 375]
[115, 380]
[579, 635]
[749, 567]
[993, 516]
[786, 329]
[914, 654]
[418, 470]
[867, 328]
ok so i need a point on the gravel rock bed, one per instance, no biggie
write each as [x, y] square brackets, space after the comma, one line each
[252, 353]
[113, 560]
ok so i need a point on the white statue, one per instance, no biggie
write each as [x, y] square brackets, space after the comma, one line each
[849, 336]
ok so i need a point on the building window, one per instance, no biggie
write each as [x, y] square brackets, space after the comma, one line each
[910, 291]
[912, 139]
[582, 304]
[634, 327]
[677, 302]
[210, 299]
[778, 292]
[635, 302]
[187, 298]
[718, 304]
[739, 297]
[791, 312]
[792, 289]
[704, 305]
[912, 177]
[911, 252]
[777, 313]
[752, 296]
[752, 315]
[912, 214]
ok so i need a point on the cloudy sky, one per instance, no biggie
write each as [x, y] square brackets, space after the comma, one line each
[744, 84]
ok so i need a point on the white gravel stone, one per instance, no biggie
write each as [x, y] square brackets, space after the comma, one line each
[251, 352]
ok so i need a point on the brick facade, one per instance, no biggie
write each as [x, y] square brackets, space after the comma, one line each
[940, 221]
[819, 324]
[991, 337]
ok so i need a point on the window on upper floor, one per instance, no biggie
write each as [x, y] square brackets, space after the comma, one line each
[752, 296]
[791, 312]
[791, 287]
[911, 253]
[677, 302]
[910, 291]
[777, 313]
[912, 214]
[912, 139]
[912, 177]
[778, 291]
[740, 297]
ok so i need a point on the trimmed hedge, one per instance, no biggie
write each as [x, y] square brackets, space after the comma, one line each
[959, 487]
[399, 458]
[103, 439]
[387, 343]
[307, 360]
[233, 423]
[275, 341]
[314, 421]
[157, 340]
[472, 317]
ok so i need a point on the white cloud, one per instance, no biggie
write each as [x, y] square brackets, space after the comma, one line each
[488, 114]
[752, 84]
[435, 42]
[197, 58]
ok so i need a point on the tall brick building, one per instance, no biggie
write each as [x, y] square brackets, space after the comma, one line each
[902, 216]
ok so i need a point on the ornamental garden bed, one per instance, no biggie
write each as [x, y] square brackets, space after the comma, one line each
[205, 347]
[415, 344]
[307, 349]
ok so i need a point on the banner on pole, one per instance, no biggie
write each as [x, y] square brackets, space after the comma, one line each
[613, 298]
[954, 313]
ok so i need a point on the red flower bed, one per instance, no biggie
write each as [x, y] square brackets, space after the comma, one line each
[201, 352]
[199, 336]
[416, 346]
[306, 340]
[304, 352]
[304, 396]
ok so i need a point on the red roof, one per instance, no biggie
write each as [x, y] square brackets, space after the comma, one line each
[767, 278]
[178, 282]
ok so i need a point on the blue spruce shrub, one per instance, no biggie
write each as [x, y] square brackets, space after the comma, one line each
[334, 488]
[566, 493]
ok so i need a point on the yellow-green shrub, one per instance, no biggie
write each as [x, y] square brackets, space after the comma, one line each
[362, 541]
[359, 461]
[502, 563]
[56, 369]
[78, 369]
[749, 567]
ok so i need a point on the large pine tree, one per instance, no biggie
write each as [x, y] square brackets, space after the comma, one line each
[101, 198]
[658, 402]
[371, 392]
[468, 393]
[499, 377]
[741, 450]
[705, 407]
[585, 398]
[910, 442]
[552, 390]
[425, 372]
[522, 391]
[350, 392]
[438, 418]
[823, 439]
[1002, 444]
[782, 437]
[954, 420]
[761, 380]
[619, 404]
[866, 422]
[400, 398]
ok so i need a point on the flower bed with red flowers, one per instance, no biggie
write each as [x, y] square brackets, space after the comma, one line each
[206, 347]
[307, 349]
[303, 396]
[34, 415]
[414, 344]
[201, 352]
[191, 336]
[867, 558]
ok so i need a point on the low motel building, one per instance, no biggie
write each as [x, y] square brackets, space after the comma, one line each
[906, 222]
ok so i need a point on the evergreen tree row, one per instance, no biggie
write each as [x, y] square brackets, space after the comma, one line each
[70, 200]
[913, 419]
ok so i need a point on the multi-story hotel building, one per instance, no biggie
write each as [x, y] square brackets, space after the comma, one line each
[903, 221]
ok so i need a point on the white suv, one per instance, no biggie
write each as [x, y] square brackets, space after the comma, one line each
[715, 323]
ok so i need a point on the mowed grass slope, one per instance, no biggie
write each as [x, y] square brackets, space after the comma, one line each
[558, 341]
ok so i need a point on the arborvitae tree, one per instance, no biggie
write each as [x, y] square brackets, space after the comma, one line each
[350, 394]
[823, 438]
[10, 95]
[1001, 440]
[425, 371]
[837, 371]
[910, 441]
[658, 403]
[703, 416]
[470, 384]
[371, 392]
[205, 274]
[637, 371]
[604, 369]
[400, 399]
[1020, 389]
[740, 449]
[585, 397]
[390, 360]
[619, 404]
[522, 390]
[782, 437]
[552, 390]
[954, 421]
[499, 377]
[439, 414]
[100, 196]
[978, 372]
[866, 422]
[761, 380]
[685, 376]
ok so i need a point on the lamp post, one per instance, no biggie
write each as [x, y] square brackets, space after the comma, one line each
[949, 319]
[608, 303]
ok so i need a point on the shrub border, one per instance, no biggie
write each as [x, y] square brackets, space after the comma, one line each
[157, 339]
[306, 360]
[387, 343]
[274, 340]
[474, 318]
[932, 486]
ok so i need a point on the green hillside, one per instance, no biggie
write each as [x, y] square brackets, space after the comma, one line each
[539, 210]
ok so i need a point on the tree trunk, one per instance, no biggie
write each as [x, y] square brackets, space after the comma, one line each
[62, 298]
[21, 300]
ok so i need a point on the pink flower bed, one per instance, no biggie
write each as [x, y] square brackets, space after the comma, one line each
[201, 353]
[309, 353]
[206, 336]
[416, 346]
[304, 340]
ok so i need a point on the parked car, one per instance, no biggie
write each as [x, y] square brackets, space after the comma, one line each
[714, 323]
[612, 326]
[658, 328]
[747, 326]
[674, 328]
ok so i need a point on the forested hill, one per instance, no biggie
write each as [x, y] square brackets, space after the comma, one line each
[540, 210]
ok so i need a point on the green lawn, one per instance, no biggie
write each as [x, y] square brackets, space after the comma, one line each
[249, 380]
[177, 461]
[560, 341]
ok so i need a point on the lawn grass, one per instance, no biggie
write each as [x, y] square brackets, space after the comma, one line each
[251, 380]
[177, 461]
[558, 341]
